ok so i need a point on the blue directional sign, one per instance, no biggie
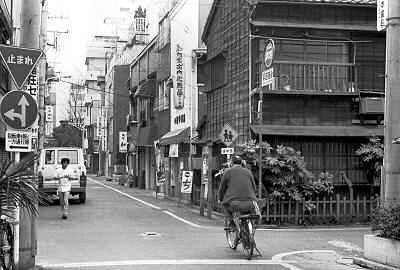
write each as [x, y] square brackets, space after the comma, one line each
[18, 110]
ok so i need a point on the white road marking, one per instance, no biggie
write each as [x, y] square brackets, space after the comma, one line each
[155, 207]
[316, 229]
[126, 195]
[278, 257]
[169, 262]
[169, 212]
[345, 245]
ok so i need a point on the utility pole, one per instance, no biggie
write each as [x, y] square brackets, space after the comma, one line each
[42, 73]
[392, 100]
[26, 248]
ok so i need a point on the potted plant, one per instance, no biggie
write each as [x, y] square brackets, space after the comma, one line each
[384, 247]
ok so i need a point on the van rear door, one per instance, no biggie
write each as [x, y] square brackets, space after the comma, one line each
[74, 163]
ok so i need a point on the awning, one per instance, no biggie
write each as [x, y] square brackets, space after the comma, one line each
[147, 88]
[176, 136]
[325, 131]
[147, 136]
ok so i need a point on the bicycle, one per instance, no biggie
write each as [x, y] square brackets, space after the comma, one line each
[6, 243]
[245, 228]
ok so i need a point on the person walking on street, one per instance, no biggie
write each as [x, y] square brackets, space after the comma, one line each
[237, 185]
[64, 175]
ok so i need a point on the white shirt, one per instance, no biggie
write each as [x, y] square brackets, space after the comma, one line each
[64, 184]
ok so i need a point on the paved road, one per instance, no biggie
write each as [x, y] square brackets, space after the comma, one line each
[109, 232]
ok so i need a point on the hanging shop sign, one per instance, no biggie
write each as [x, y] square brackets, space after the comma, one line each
[179, 87]
[269, 52]
[123, 142]
[173, 150]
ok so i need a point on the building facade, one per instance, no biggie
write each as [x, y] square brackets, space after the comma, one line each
[318, 69]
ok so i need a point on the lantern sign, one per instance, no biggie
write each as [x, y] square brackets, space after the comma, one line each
[179, 85]
[269, 52]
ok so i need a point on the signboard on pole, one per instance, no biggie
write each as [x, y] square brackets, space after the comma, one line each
[228, 135]
[227, 151]
[123, 142]
[18, 141]
[187, 180]
[18, 110]
[20, 62]
[267, 78]
[49, 113]
[382, 14]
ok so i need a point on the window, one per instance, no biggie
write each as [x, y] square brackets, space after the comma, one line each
[163, 96]
[140, 24]
[311, 51]
[72, 155]
[217, 72]
[49, 157]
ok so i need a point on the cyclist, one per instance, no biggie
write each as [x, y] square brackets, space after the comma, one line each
[237, 185]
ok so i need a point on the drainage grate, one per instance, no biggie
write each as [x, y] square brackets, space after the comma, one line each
[150, 234]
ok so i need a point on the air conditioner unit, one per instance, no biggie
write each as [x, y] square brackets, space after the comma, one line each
[372, 105]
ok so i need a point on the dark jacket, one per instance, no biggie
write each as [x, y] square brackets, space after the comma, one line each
[237, 184]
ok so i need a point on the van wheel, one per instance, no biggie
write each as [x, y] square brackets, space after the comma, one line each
[82, 197]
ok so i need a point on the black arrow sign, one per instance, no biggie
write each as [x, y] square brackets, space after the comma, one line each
[18, 147]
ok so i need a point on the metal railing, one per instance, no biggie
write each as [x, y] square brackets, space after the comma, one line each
[312, 77]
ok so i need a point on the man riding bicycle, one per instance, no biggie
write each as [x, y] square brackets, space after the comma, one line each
[237, 185]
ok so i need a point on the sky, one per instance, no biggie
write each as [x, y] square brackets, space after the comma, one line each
[82, 19]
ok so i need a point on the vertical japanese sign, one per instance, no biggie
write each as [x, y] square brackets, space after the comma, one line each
[173, 150]
[187, 180]
[382, 14]
[160, 169]
[123, 142]
[179, 96]
[49, 113]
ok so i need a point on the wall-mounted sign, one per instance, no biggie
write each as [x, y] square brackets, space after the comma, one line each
[382, 14]
[179, 87]
[49, 113]
[173, 150]
[269, 52]
[123, 142]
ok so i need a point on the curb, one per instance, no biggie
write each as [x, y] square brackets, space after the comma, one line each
[372, 265]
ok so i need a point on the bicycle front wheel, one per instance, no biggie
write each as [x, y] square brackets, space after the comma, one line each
[248, 239]
[6, 247]
[231, 236]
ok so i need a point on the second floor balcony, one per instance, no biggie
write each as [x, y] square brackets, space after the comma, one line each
[310, 78]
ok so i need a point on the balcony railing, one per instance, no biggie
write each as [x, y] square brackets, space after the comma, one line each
[312, 77]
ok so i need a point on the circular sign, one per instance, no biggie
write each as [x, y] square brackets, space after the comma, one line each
[18, 109]
[269, 53]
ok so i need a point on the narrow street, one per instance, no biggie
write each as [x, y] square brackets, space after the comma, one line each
[109, 232]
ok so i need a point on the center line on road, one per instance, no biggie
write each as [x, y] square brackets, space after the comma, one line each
[153, 206]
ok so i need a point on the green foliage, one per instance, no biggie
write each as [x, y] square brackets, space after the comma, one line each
[284, 171]
[371, 155]
[386, 219]
[67, 135]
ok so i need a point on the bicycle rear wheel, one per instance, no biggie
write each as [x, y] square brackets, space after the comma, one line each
[247, 239]
[6, 247]
[231, 236]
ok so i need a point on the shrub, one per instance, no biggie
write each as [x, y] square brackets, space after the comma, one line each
[386, 220]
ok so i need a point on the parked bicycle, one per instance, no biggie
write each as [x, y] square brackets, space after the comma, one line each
[245, 228]
[6, 243]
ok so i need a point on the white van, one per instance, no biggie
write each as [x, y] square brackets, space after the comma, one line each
[50, 160]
